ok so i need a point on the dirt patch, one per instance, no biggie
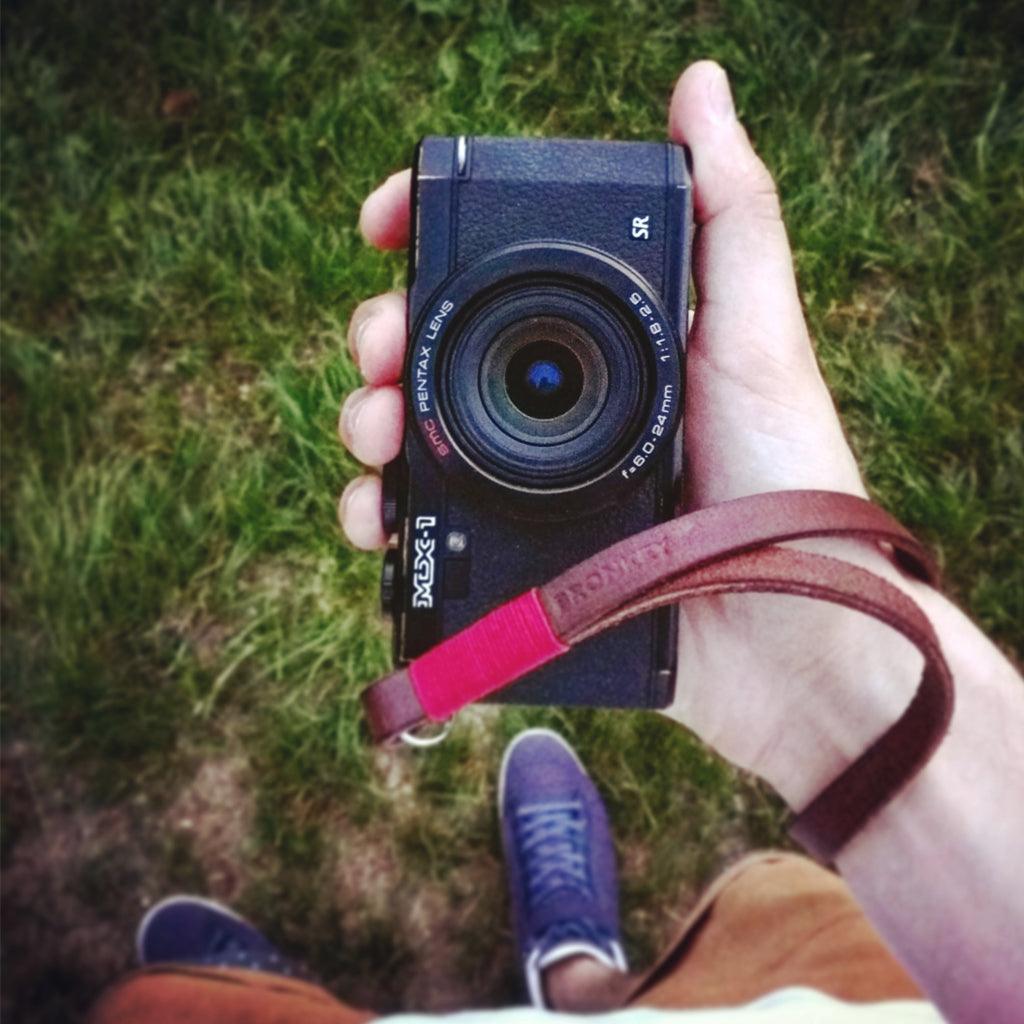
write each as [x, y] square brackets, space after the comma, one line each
[454, 928]
[74, 883]
[365, 870]
[205, 637]
[77, 878]
[929, 175]
[228, 387]
[215, 814]
[394, 772]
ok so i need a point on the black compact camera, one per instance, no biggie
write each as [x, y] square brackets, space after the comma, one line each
[544, 392]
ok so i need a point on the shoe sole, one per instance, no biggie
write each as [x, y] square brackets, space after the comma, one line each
[170, 901]
[526, 733]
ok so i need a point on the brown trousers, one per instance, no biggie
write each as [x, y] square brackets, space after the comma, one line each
[773, 920]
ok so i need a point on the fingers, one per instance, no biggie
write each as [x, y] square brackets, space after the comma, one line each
[384, 218]
[743, 264]
[370, 424]
[371, 420]
[376, 338]
[359, 513]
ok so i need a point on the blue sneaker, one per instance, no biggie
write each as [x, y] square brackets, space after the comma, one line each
[559, 858]
[187, 929]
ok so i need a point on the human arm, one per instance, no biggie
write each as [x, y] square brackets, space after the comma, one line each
[937, 870]
[789, 689]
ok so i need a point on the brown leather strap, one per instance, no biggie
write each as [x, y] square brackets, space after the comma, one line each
[857, 793]
[587, 592]
[729, 549]
[392, 707]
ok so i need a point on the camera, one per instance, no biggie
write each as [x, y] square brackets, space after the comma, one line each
[544, 392]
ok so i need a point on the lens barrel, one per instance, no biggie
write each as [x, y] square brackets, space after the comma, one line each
[544, 386]
[547, 368]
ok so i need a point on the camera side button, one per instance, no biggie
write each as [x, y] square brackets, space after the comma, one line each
[389, 508]
[390, 583]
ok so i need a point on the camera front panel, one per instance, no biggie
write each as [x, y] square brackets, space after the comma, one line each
[544, 388]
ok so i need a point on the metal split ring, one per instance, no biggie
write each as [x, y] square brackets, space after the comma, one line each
[410, 738]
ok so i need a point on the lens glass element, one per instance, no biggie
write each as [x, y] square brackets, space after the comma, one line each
[544, 379]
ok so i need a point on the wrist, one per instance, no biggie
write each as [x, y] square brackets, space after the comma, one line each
[853, 682]
[792, 689]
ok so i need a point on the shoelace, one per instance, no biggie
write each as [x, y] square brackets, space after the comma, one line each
[224, 943]
[553, 843]
[225, 949]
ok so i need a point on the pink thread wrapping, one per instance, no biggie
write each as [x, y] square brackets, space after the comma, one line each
[505, 644]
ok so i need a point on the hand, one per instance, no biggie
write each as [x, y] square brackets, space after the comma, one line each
[758, 418]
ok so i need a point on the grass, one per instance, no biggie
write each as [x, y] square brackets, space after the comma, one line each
[175, 293]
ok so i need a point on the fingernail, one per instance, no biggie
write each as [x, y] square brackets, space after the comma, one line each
[346, 496]
[720, 97]
[357, 340]
[363, 214]
[351, 413]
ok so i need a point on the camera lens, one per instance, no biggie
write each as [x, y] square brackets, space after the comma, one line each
[544, 379]
[528, 386]
[543, 383]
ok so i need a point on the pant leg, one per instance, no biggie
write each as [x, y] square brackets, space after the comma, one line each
[772, 921]
[185, 994]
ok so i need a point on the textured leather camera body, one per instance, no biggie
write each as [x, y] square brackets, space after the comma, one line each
[544, 391]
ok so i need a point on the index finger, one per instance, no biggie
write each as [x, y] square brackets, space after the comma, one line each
[384, 218]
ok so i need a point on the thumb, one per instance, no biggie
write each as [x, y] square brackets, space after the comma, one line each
[743, 266]
[759, 414]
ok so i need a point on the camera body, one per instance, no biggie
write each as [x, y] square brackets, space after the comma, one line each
[544, 392]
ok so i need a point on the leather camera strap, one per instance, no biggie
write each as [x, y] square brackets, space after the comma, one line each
[727, 548]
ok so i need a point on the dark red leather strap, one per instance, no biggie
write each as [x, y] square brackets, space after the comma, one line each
[866, 785]
[613, 577]
[728, 548]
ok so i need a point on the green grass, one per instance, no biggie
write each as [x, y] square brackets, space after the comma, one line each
[175, 293]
